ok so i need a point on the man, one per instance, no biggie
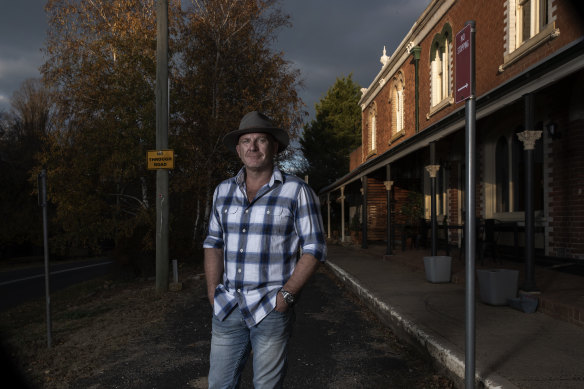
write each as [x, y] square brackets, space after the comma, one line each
[260, 220]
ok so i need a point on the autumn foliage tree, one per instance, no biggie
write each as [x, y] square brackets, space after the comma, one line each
[101, 68]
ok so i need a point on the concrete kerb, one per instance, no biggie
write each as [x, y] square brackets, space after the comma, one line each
[452, 361]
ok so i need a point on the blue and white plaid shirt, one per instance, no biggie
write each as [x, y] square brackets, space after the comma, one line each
[261, 240]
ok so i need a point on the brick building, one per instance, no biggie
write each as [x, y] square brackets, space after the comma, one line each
[529, 80]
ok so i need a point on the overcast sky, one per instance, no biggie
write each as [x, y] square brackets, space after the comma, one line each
[328, 39]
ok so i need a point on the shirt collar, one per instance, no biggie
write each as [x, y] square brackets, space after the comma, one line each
[277, 176]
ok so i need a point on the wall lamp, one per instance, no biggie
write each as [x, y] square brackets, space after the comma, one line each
[552, 129]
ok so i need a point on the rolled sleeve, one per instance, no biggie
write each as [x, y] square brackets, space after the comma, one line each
[214, 239]
[309, 225]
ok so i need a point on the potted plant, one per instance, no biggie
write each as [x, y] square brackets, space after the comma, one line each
[437, 267]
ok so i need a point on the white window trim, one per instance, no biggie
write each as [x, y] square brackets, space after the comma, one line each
[396, 99]
[540, 34]
[372, 131]
[445, 87]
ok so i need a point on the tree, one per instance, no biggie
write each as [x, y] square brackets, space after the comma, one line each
[330, 138]
[23, 135]
[101, 68]
[228, 70]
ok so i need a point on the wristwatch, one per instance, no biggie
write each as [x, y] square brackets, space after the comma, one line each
[288, 297]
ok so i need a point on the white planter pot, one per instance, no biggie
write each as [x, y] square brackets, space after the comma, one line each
[496, 286]
[438, 268]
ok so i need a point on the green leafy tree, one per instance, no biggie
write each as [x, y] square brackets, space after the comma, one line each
[329, 139]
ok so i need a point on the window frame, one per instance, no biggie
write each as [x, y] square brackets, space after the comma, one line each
[397, 96]
[372, 130]
[515, 185]
[441, 63]
[542, 29]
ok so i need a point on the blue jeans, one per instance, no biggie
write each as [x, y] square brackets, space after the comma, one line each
[232, 343]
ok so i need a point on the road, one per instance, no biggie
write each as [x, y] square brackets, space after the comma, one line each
[17, 286]
[337, 343]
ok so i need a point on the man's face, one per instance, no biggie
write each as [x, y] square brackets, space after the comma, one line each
[257, 150]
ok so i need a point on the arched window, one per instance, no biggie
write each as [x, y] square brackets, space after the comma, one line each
[397, 104]
[372, 130]
[440, 71]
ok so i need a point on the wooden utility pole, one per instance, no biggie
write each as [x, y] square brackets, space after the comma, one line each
[162, 144]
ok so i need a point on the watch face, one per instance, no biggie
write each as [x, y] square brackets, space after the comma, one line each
[288, 297]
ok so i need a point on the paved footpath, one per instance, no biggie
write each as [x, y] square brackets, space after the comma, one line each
[513, 349]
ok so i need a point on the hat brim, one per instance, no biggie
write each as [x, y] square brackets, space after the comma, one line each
[231, 139]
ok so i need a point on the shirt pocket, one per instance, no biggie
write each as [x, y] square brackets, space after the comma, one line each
[230, 215]
[280, 219]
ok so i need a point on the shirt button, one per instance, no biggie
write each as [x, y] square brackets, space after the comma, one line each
[243, 230]
[247, 211]
[239, 270]
[238, 290]
[268, 212]
[241, 250]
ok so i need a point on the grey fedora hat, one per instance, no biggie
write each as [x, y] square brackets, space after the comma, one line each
[256, 122]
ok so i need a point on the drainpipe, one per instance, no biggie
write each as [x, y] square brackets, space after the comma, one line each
[416, 52]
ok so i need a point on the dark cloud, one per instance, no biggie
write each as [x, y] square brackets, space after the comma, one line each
[333, 39]
[328, 39]
[22, 33]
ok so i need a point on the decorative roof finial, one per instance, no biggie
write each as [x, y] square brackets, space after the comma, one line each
[384, 58]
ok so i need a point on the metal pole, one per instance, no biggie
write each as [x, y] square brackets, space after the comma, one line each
[433, 200]
[470, 222]
[529, 285]
[162, 144]
[343, 214]
[43, 203]
[364, 209]
[328, 214]
[388, 183]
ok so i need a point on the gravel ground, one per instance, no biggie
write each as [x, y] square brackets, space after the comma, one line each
[122, 335]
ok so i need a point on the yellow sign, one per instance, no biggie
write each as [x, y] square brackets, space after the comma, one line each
[160, 159]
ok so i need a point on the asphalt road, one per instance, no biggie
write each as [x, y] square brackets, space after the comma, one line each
[337, 343]
[17, 286]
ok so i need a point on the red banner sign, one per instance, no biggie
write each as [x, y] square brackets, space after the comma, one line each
[463, 86]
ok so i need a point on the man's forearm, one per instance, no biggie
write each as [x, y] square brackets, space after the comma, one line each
[213, 270]
[305, 268]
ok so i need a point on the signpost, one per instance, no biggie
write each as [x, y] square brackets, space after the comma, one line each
[160, 159]
[464, 82]
[465, 91]
[42, 187]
